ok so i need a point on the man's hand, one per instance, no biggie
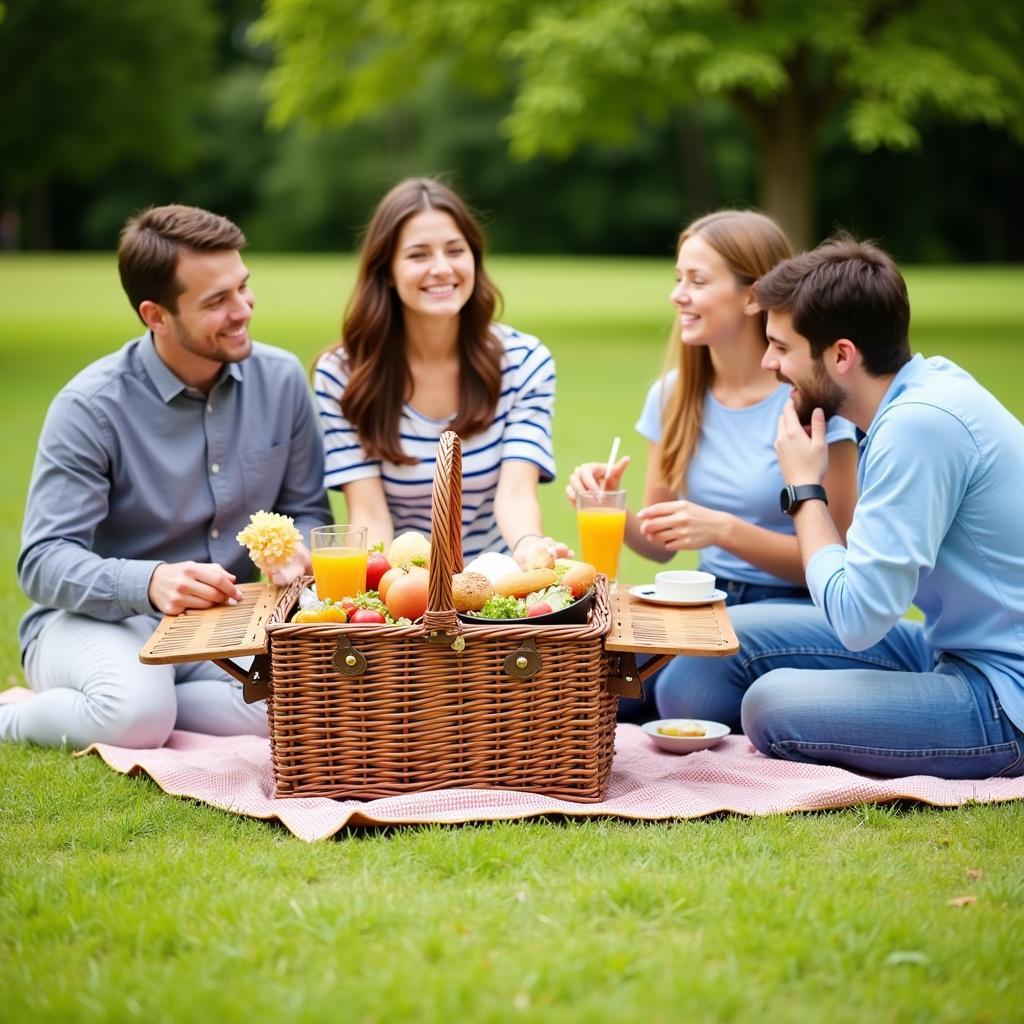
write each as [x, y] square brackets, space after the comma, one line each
[177, 586]
[802, 459]
[681, 525]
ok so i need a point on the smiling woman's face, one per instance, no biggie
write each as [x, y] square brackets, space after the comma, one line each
[711, 302]
[432, 269]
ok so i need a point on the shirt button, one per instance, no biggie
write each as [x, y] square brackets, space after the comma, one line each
[209, 406]
[215, 468]
[215, 533]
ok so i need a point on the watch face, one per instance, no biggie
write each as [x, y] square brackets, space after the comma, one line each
[786, 500]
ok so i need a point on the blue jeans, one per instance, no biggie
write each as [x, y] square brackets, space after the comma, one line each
[644, 709]
[895, 709]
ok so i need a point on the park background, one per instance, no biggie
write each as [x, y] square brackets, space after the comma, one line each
[586, 133]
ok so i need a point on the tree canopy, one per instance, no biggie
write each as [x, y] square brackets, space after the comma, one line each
[84, 85]
[594, 70]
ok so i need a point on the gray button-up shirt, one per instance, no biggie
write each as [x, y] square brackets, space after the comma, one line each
[134, 469]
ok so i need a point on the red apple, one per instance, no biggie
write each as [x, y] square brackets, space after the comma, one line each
[376, 566]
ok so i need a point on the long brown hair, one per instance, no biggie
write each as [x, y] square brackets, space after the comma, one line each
[751, 244]
[373, 333]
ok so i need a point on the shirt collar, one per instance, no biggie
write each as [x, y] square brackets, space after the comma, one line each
[166, 382]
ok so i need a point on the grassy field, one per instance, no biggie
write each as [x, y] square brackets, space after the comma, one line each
[120, 903]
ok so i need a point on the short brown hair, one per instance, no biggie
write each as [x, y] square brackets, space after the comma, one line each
[844, 289]
[147, 256]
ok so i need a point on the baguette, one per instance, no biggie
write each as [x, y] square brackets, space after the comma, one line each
[519, 584]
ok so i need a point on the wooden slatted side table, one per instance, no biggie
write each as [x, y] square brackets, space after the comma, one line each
[662, 632]
[219, 634]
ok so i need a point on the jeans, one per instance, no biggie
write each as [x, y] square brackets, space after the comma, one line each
[91, 688]
[645, 709]
[898, 708]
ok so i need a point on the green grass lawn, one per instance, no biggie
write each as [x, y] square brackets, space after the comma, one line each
[120, 903]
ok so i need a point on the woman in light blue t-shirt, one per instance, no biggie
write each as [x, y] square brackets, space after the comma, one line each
[712, 479]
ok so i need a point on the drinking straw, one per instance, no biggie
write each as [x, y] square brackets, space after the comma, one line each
[611, 460]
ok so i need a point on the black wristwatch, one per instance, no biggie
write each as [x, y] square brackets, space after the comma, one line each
[792, 497]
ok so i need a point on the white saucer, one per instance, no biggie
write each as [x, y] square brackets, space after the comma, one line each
[647, 592]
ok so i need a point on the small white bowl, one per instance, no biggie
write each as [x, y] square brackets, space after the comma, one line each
[684, 584]
[714, 733]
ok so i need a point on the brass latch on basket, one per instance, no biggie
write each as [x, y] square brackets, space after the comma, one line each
[524, 663]
[347, 660]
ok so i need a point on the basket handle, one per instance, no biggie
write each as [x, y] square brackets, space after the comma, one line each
[445, 535]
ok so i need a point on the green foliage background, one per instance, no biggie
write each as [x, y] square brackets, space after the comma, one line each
[109, 106]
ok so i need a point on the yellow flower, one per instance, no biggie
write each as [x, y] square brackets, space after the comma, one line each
[271, 539]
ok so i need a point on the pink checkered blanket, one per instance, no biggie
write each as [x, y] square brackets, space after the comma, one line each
[233, 773]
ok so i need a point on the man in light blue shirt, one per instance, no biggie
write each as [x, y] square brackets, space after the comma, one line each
[937, 524]
[149, 463]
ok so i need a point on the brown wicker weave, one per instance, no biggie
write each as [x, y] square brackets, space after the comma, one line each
[369, 710]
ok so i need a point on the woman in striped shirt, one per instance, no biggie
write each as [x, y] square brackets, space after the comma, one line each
[420, 354]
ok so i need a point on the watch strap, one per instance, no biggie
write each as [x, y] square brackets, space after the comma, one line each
[792, 497]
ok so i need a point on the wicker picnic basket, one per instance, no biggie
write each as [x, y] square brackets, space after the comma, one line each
[369, 711]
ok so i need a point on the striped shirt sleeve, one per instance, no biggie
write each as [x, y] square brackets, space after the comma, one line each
[345, 459]
[529, 389]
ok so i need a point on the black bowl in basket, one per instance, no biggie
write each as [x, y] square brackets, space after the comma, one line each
[574, 614]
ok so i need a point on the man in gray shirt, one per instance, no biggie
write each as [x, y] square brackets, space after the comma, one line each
[149, 462]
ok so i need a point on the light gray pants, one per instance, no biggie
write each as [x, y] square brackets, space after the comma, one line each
[91, 688]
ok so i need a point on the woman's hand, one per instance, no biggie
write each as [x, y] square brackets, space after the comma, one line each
[593, 476]
[300, 564]
[681, 525]
[539, 552]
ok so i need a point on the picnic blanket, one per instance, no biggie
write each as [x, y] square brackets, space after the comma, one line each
[234, 773]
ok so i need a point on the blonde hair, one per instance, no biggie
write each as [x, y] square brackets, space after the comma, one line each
[751, 244]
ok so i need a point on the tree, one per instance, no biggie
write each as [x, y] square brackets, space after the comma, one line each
[84, 85]
[593, 70]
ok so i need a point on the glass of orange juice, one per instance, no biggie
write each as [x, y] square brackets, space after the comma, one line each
[339, 560]
[601, 519]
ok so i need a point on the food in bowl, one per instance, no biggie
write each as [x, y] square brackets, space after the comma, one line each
[522, 584]
[471, 591]
[682, 729]
[552, 606]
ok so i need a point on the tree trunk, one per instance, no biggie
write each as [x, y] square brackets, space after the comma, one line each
[787, 153]
[694, 166]
[786, 131]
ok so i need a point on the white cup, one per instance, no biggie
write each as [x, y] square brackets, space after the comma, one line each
[684, 584]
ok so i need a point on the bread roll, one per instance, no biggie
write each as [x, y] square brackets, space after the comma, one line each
[470, 591]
